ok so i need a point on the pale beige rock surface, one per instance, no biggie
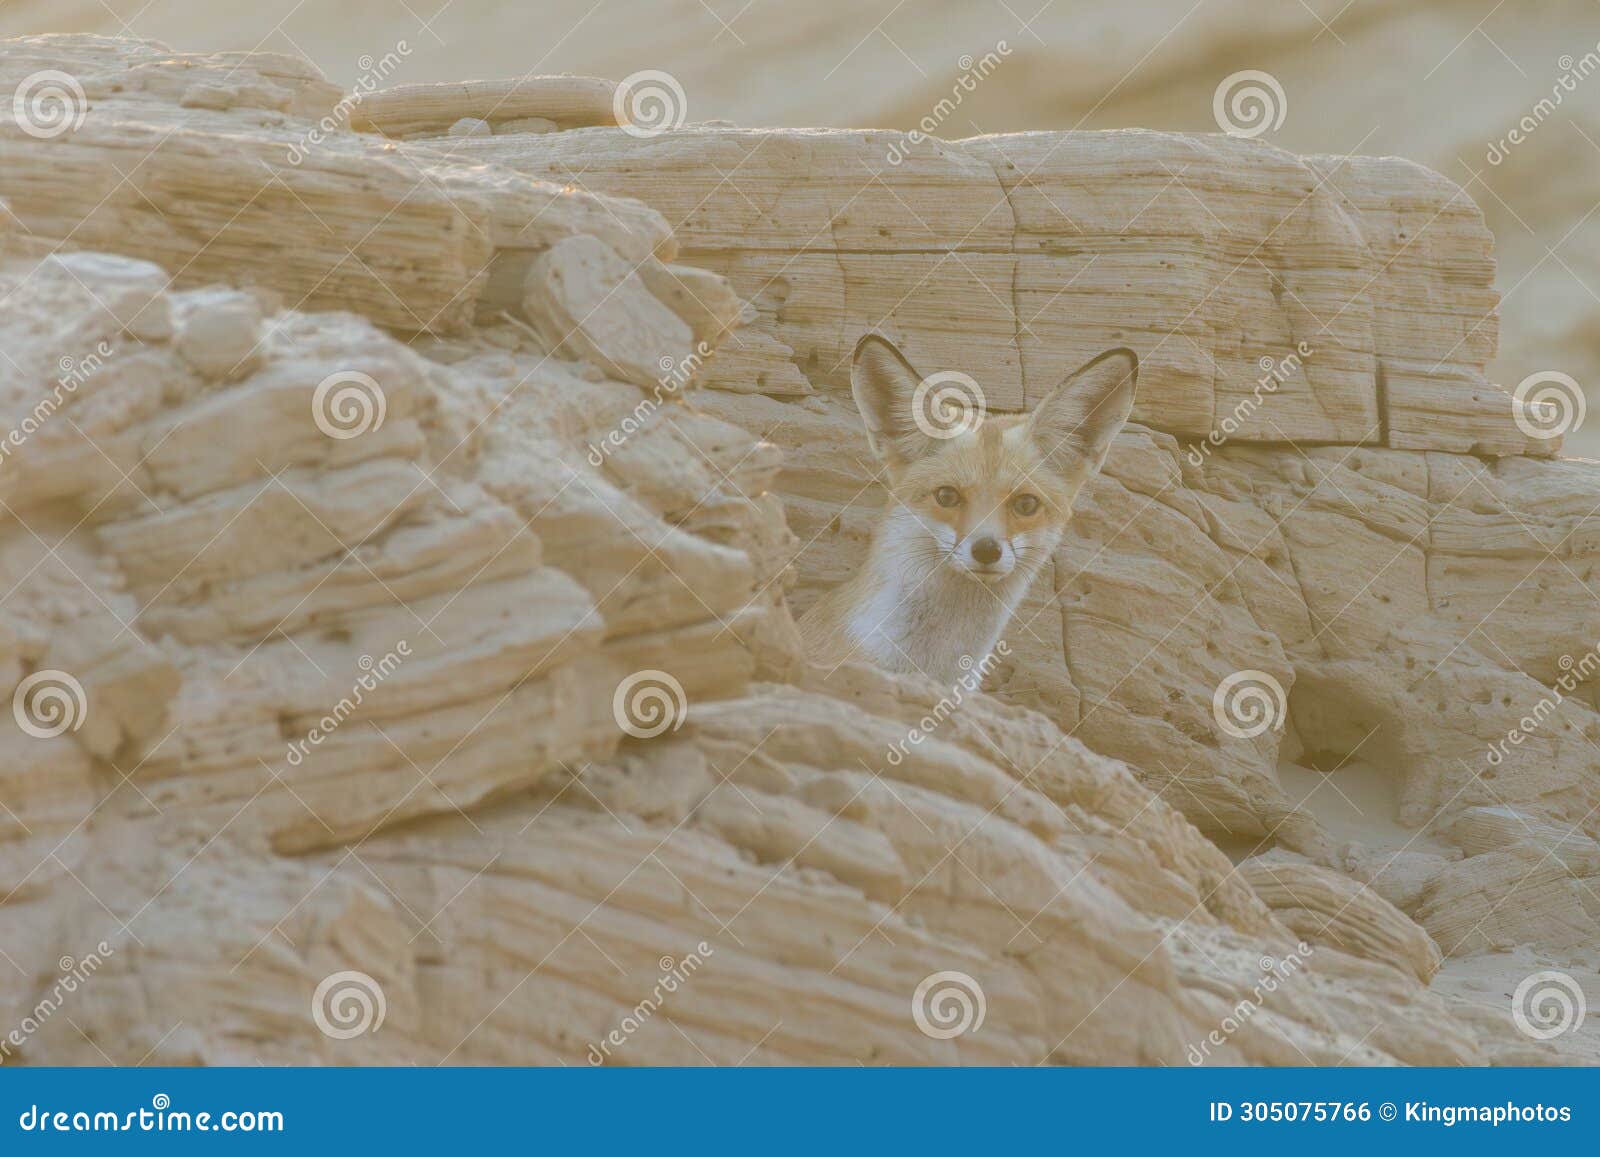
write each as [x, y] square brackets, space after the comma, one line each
[1441, 82]
[356, 599]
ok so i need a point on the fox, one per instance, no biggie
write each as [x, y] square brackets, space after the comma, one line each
[972, 515]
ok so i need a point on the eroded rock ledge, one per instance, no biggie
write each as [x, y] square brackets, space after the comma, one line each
[339, 445]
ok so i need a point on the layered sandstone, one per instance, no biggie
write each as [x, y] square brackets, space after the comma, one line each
[390, 467]
[1494, 100]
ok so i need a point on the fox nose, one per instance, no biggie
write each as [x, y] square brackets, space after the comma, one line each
[986, 552]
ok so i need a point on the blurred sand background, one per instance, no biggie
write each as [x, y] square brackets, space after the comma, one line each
[1442, 83]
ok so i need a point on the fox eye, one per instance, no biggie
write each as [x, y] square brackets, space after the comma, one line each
[1025, 504]
[947, 496]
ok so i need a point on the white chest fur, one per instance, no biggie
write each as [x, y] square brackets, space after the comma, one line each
[929, 623]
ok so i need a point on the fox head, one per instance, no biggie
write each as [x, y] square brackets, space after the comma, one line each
[991, 500]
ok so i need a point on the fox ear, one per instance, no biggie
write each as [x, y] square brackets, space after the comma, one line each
[883, 383]
[1076, 424]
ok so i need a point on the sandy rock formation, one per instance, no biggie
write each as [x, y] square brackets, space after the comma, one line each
[1325, 528]
[532, 104]
[424, 636]
[1487, 96]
